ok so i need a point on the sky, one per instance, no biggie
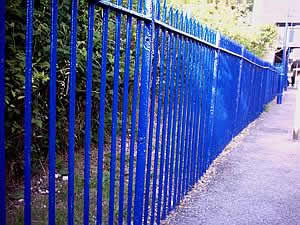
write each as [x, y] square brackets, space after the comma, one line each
[271, 11]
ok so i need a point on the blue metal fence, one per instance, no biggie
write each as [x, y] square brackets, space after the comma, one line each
[193, 91]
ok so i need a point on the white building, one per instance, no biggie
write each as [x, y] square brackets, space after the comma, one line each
[279, 12]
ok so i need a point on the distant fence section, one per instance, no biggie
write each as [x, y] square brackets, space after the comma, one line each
[192, 91]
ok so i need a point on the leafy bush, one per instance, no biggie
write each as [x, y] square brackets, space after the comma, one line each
[15, 78]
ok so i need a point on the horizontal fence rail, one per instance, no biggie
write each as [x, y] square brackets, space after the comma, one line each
[161, 96]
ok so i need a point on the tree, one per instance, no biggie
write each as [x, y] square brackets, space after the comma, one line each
[233, 18]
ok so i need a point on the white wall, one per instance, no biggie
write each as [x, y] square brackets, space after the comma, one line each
[272, 11]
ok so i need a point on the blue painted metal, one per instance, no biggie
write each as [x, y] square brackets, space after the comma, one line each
[158, 117]
[133, 116]
[114, 118]
[199, 95]
[184, 121]
[205, 104]
[171, 190]
[183, 111]
[186, 108]
[165, 109]
[202, 104]
[188, 148]
[235, 132]
[170, 75]
[88, 112]
[212, 104]
[179, 89]
[52, 112]
[173, 120]
[151, 127]
[197, 92]
[72, 93]
[2, 116]
[125, 114]
[28, 113]
[143, 117]
[191, 109]
[101, 117]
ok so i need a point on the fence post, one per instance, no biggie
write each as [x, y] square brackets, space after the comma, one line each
[296, 131]
[238, 93]
[2, 112]
[143, 116]
[280, 86]
[213, 99]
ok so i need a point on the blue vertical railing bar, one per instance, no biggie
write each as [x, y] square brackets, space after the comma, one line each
[207, 80]
[101, 115]
[199, 95]
[184, 120]
[143, 117]
[170, 71]
[179, 80]
[52, 112]
[175, 77]
[192, 107]
[215, 148]
[133, 116]
[208, 63]
[213, 101]
[183, 115]
[173, 150]
[204, 112]
[125, 114]
[28, 113]
[88, 112]
[158, 116]
[209, 73]
[238, 93]
[2, 116]
[202, 103]
[163, 140]
[250, 99]
[189, 112]
[114, 118]
[151, 126]
[72, 93]
[159, 104]
[196, 92]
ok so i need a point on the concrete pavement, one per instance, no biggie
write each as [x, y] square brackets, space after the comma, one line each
[257, 183]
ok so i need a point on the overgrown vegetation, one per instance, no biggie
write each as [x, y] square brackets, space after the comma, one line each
[15, 64]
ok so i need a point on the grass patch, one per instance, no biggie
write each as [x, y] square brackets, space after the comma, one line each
[15, 214]
[267, 108]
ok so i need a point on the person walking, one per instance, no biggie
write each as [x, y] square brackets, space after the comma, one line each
[295, 67]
